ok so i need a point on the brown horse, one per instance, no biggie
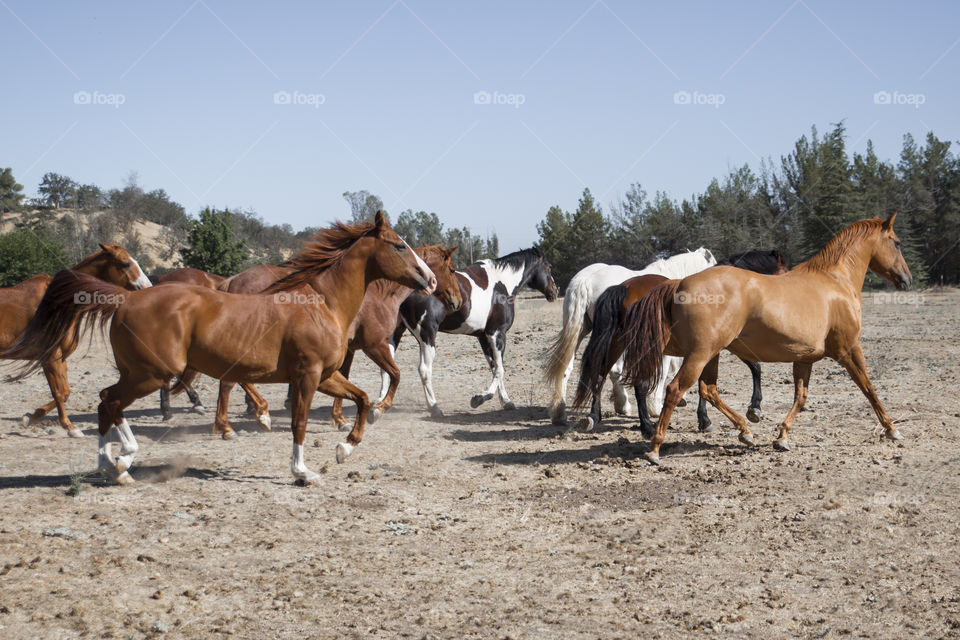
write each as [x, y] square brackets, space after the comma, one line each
[186, 275]
[369, 332]
[18, 304]
[295, 332]
[803, 316]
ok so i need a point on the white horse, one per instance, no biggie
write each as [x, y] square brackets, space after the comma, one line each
[578, 303]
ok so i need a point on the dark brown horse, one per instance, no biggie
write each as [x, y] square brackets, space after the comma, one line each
[186, 275]
[803, 316]
[18, 304]
[294, 333]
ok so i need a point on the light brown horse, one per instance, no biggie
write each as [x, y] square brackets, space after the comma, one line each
[18, 304]
[803, 316]
[295, 332]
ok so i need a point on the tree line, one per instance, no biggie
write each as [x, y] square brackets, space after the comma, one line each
[795, 206]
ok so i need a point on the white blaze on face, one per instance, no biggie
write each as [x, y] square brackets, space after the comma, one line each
[425, 270]
[143, 281]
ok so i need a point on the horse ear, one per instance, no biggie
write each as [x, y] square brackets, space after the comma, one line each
[449, 252]
[888, 223]
[380, 220]
[109, 248]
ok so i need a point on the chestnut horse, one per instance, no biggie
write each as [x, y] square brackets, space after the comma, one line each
[802, 316]
[186, 275]
[295, 332]
[370, 331]
[18, 304]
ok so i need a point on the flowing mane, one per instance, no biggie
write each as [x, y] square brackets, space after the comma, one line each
[325, 250]
[518, 260]
[840, 245]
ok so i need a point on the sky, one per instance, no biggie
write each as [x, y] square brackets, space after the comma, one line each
[486, 113]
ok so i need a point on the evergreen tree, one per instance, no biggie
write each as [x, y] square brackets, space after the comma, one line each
[211, 245]
[25, 252]
[11, 193]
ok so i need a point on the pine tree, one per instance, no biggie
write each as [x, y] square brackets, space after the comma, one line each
[211, 245]
[11, 193]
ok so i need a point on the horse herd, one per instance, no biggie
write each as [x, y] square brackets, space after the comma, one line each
[361, 287]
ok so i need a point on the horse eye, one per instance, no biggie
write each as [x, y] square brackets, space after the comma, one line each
[124, 265]
[399, 246]
[896, 243]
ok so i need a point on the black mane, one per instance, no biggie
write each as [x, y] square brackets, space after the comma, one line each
[519, 259]
[758, 261]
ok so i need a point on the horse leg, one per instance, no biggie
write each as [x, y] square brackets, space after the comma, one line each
[302, 390]
[754, 413]
[499, 355]
[426, 336]
[801, 383]
[165, 413]
[687, 375]
[221, 423]
[336, 413]
[260, 405]
[856, 366]
[657, 393]
[382, 355]
[709, 391]
[621, 404]
[187, 379]
[558, 405]
[489, 347]
[640, 393]
[114, 427]
[339, 387]
[56, 374]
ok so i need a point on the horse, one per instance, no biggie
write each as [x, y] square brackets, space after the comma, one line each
[370, 332]
[578, 302]
[488, 289]
[807, 314]
[294, 332]
[186, 275]
[18, 304]
[605, 347]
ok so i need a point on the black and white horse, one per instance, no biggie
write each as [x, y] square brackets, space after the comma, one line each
[487, 289]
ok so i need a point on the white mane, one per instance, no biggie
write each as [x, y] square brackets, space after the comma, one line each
[681, 265]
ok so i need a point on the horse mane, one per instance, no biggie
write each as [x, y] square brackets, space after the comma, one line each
[90, 259]
[840, 245]
[325, 250]
[756, 260]
[518, 260]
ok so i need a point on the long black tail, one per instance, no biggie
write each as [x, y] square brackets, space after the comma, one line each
[606, 322]
[646, 333]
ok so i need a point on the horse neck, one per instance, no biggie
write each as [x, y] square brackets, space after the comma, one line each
[389, 290]
[512, 279]
[852, 266]
[96, 268]
[344, 284]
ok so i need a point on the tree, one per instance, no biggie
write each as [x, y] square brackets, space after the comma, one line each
[553, 230]
[419, 228]
[570, 242]
[11, 193]
[211, 245]
[26, 252]
[363, 205]
[56, 189]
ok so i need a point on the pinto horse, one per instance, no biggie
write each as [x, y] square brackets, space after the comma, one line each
[487, 289]
[802, 316]
[18, 304]
[186, 275]
[605, 347]
[369, 332]
[578, 303]
[295, 332]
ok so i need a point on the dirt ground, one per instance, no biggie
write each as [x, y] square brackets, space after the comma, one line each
[496, 524]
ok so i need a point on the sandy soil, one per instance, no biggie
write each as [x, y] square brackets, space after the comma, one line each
[496, 524]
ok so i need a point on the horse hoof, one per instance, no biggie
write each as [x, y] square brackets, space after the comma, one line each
[559, 420]
[558, 413]
[652, 458]
[682, 403]
[264, 421]
[895, 435]
[476, 401]
[374, 416]
[754, 415]
[74, 433]
[229, 435]
[344, 449]
[747, 439]
[26, 420]
[166, 417]
[124, 479]
[585, 424]
[708, 428]
[647, 433]
[307, 480]
[343, 426]
[509, 406]
[436, 413]
[198, 409]
[781, 445]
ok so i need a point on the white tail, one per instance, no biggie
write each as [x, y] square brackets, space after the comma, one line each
[576, 303]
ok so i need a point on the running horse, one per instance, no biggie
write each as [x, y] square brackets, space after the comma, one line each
[370, 332]
[295, 332]
[605, 347]
[488, 289]
[18, 304]
[807, 314]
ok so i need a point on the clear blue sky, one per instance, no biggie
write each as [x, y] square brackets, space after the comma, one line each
[597, 82]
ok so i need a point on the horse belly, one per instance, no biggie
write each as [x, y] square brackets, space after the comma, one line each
[763, 343]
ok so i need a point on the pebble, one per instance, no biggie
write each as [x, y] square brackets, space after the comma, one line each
[60, 532]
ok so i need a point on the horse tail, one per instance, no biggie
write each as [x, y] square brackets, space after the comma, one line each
[71, 299]
[606, 321]
[576, 302]
[646, 333]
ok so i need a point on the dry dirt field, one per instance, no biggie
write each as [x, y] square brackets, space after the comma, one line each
[495, 524]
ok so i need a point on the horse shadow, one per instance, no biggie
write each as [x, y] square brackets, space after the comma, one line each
[623, 450]
[150, 473]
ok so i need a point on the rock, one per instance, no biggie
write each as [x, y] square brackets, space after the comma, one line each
[60, 532]
[159, 627]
